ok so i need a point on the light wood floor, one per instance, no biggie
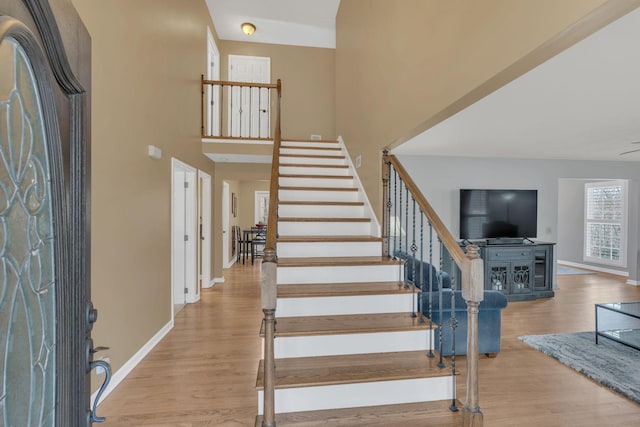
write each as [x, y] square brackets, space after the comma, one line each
[204, 372]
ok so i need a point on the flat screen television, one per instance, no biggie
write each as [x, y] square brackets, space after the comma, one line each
[490, 214]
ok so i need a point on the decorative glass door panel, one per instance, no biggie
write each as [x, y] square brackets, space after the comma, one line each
[27, 279]
[521, 274]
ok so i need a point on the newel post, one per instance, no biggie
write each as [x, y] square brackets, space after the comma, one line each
[386, 203]
[268, 283]
[473, 293]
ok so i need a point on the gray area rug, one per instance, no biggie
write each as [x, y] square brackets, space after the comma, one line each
[564, 270]
[609, 363]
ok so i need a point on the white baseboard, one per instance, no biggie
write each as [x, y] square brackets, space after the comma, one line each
[633, 282]
[209, 284]
[217, 280]
[592, 267]
[125, 369]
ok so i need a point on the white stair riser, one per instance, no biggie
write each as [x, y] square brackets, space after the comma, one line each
[341, 274]
[338, 305]
[328, 249]
[318, 195]
[309, 144]
[301, 170]
[360, 394]
[320, 211]
[327, 228]
[310, 151]
[340, 344]
[313, 160]
[317, 182]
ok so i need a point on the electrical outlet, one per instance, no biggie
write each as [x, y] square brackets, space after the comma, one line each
[358, 161]
[316, 137]
[100, 369]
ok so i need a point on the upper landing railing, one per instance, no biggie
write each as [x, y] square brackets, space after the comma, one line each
[239, 110]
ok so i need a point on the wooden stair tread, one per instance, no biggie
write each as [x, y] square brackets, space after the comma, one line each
[347, 324]
[288, 175]
[301, 147]
[304, 165]
[315, 219]
[318, 188]
[328, 141]
[318, 203]
[421, 414]
[352, 368]
[310, 290]
[336, 261]
[313, 156]
[327, 239]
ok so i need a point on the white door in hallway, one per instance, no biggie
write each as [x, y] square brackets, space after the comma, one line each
[183, 235]
[225, 224]
[249, 107]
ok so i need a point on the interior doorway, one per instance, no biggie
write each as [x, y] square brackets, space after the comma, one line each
[184, 266]
[204, 215]
[250, 107]
[225, 224]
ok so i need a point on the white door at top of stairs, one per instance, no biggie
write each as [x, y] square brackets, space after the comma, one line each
[249, 107]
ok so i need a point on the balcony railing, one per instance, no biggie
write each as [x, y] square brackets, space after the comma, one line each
[239, 110]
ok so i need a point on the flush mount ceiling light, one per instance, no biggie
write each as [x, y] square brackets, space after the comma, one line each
[248, 28]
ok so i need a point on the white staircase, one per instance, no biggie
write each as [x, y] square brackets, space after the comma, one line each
[345, 334]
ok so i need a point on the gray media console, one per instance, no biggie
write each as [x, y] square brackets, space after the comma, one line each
[521, 271]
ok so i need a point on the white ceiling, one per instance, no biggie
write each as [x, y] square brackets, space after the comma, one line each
[582, 104]
[290, 22]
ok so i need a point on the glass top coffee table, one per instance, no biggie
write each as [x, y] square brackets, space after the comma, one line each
[619, 321]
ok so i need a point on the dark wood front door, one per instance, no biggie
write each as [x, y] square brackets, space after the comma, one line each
[45, 307]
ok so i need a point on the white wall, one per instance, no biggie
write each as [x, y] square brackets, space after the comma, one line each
[441, 178]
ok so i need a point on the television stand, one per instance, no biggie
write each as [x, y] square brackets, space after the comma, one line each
[522, 271]
[506, 241]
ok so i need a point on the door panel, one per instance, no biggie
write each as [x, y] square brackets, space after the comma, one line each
[45, 308]
[250, 107]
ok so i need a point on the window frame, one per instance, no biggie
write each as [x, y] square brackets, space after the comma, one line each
[622, 262]
[258, 195]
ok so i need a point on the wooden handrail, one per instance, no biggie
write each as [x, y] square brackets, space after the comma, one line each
[240, 84]
[445, 236]
[272, 231]
[268, 279]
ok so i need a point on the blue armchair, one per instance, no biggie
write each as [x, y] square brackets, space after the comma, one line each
[489, 312]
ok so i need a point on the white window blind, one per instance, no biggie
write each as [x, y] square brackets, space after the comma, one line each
[605, 222]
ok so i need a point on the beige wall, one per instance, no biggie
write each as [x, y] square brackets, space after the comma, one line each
[147, 57]
[308, 84]
[399, 65]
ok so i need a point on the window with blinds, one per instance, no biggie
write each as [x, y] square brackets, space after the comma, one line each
[605, 222]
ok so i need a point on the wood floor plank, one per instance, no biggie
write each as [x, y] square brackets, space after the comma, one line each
[347, 324]
[341, 289]
[353, 368]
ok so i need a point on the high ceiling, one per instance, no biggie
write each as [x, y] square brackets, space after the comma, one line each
[583, 104]
[291, 22]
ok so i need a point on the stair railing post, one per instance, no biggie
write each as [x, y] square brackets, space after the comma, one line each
[269, 298]
[473, 294]
[386, 208]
